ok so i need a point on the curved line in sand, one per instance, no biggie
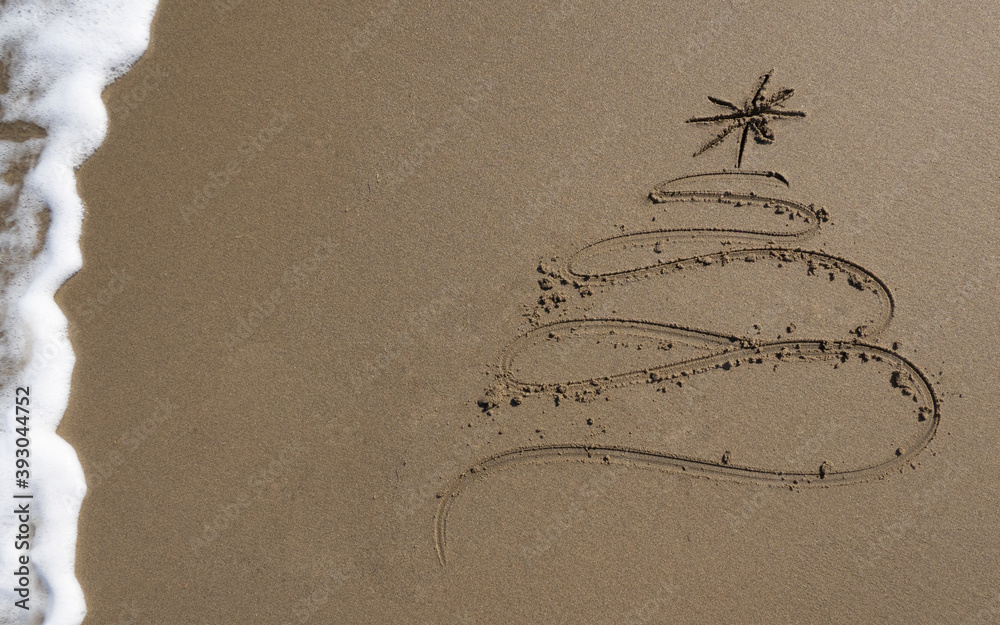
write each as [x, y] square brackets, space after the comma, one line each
[728, 172]
[923, 395]
[734, 351]
[824, 261]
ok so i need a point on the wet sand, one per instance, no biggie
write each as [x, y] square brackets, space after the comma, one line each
[313, 238]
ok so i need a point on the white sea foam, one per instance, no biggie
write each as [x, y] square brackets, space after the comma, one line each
[59, 56]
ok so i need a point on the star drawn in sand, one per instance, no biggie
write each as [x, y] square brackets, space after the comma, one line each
[753, 116]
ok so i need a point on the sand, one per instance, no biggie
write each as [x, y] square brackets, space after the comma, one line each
[338, 257]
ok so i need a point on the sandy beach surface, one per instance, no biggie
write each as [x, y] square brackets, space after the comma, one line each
[390, 313]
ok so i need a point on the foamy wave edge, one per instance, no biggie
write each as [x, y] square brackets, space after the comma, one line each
[59, 55]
